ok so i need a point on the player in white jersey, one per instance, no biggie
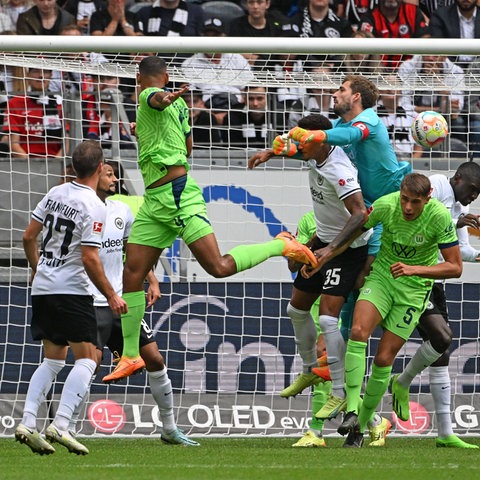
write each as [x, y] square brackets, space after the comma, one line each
[456, 194]
[70, 218]
[119, 220]
[337, 204]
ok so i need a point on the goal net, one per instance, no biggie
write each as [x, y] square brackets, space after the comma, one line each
[228, 344]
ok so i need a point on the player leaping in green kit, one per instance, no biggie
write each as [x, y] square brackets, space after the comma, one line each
[174, 207]
[396, 291]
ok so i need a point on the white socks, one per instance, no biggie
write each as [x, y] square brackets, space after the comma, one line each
[75, 388]
[424, 357]
[336, 348]
[305, 336]
[440, 388]
[161, 388]
[40, 384]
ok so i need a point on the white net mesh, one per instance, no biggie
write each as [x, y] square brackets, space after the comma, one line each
[229, 345]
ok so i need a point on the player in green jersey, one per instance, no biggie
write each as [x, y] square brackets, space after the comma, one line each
[396, 291]
[174, 207]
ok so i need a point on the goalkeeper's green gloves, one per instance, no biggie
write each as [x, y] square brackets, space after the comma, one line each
[301, 135]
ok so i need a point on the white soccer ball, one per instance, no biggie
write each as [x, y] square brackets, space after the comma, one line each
[429, 129]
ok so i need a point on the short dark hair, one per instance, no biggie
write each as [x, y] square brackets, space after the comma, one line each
[470, 170]
[367, 89]
[315, 121]
[152, 65]
[86, 158]
[417, 183]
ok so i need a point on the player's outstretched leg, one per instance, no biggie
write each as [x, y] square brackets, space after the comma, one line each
[295, 250]
[400, 399]
[63, 437]
[177, 437]
[452, 441]
[33, 439]
[126, 366]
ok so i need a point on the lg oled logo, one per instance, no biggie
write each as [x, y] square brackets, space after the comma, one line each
[107, 416]
[418, 422]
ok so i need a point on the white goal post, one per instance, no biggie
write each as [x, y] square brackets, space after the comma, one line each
[228, 344]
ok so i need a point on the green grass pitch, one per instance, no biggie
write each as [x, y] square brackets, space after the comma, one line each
[242, 459]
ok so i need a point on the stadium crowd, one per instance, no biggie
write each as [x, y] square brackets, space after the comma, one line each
[225, 114]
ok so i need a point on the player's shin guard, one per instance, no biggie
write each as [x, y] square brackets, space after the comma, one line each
[440, 388]
[161, 388]
[247, 256]
[354, 372]
[131, 323]
[305, 336]
[40, 384]
[75, 388]
[335, 353]
[376, 387]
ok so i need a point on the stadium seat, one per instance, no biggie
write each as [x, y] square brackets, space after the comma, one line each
[224, 10]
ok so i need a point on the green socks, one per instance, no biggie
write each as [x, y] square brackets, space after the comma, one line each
[247, 256]
[354, 372]
[320, 396]
[131, 322]
[376, 387]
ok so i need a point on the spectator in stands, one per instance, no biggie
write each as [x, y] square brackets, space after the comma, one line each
[459, 20]
[250, 127]
[257, 22]
[171, 18]
[396, 119]
[362, 63]
[432, 82]
[354, 10]
[115, 20]
[44, 18]
[395, 19]
[232, 69]
[318, 99]
[13, 8]
[317, 19]
[7, 27]
[34, 125]
[83, 10]
[100, 115]
[204, 125]
[75, 83]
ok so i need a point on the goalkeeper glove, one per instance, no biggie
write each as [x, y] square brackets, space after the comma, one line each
[304, 136]
[283, 145]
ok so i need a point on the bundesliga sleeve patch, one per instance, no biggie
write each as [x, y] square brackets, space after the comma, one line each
[364, 129]
[97, 227]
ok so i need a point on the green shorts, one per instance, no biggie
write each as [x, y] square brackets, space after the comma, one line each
[176, 209]
[399, 306]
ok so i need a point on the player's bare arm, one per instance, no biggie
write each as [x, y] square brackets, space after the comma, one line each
[94, 268]
[260, 157]
[352, 229]
[30, 244]
[469, 220]
[450, 268]
[163, 100]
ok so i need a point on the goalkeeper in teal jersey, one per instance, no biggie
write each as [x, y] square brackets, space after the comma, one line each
[174, 207]
[396, 291]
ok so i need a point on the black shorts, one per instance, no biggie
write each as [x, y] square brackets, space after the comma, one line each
[110, 331]
[437, 303]
[336, 277]
[63, 318]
